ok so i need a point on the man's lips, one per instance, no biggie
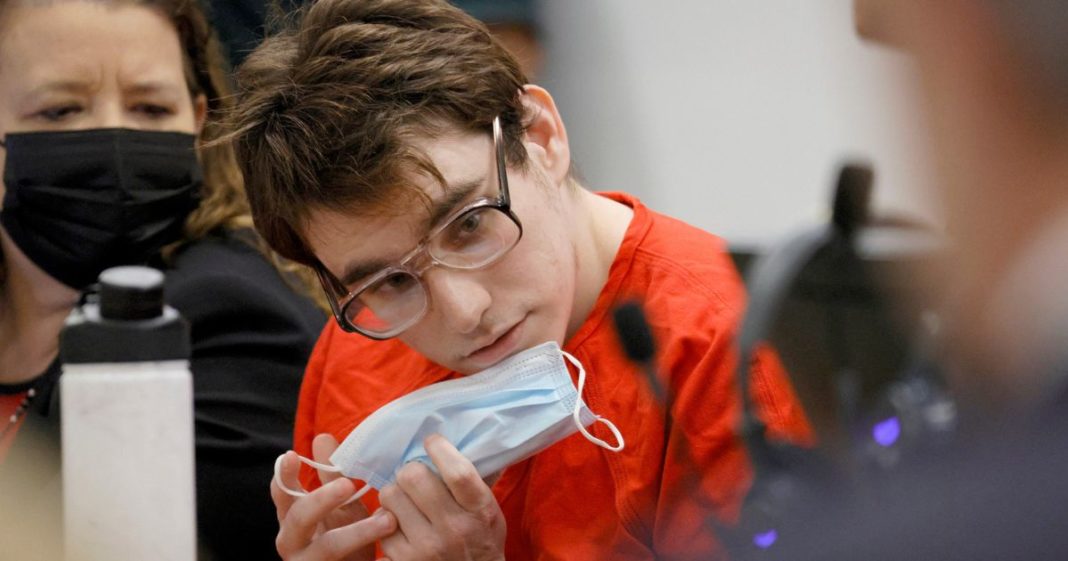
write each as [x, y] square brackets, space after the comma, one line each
[489, 342]
[495, 345]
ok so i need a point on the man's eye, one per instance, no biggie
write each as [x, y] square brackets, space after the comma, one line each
[471, 223]
[466, 230]
[466, 227]
[397, 282]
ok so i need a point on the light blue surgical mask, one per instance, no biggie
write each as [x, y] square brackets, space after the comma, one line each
[495, 418]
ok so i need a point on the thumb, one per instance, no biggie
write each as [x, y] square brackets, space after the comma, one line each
[323, 446]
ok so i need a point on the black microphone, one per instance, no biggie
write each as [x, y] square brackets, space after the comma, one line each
[852, 198]
[637, 340]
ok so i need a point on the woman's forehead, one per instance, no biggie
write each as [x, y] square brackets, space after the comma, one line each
[81, 40]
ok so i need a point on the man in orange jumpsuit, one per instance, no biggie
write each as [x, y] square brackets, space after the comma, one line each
[397, 148]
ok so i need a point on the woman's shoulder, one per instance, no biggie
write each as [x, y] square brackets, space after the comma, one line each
[226, 271]
[224, 251]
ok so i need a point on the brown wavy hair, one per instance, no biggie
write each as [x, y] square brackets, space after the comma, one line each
[328, 108]
[223, 202]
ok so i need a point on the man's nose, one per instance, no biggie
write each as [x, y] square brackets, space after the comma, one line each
[459, 297]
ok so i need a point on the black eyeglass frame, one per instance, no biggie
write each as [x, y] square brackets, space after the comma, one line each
[340, 299]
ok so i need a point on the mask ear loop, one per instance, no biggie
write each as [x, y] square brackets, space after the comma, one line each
[325, 467]
[599, 419]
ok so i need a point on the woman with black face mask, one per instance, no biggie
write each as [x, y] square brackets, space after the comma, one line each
[107, 110]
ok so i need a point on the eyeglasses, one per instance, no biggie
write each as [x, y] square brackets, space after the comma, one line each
[395, 298]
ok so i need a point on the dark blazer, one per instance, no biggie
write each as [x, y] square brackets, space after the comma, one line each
[252, 335]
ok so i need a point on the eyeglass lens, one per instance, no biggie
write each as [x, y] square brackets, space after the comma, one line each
[472, 240]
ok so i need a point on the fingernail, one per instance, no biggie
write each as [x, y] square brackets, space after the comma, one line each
[341, 486]
[382, 518]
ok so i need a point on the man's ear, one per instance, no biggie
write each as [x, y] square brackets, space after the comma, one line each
[546, 138]
[200, 112]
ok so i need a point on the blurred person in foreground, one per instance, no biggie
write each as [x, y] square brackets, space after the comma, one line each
[994, 74]
[105, 111]
[398, 148]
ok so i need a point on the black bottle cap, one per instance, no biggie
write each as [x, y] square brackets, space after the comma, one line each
[127, 322]
[131, 293]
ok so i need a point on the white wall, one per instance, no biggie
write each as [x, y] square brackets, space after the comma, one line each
[732, 114]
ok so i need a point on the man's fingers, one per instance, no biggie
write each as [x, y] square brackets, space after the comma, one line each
[493, 478]
[410, 519]
[396, 545]
[282, 501]
[459, 474]
[346, 514]
[288, 470]
[427, 491]
[341, 542]
[323, 446]
[301, 522]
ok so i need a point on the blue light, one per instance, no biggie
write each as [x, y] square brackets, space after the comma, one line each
[886, 432]
[765, 540]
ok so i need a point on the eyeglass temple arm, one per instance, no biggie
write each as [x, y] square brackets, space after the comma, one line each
[502, 171]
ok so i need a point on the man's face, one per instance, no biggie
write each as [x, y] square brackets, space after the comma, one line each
[474, 318]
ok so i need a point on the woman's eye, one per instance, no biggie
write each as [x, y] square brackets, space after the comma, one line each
[153, 110]
[59, 112]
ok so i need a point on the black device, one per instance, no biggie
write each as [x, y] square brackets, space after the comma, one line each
[784, 474]
[889, 396]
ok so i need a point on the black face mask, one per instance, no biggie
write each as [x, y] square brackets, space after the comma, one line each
[78, 202]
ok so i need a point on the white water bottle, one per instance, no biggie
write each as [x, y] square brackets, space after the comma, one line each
[127, 423]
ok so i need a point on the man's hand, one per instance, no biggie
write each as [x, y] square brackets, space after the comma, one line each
[454, 516]
[320, 526]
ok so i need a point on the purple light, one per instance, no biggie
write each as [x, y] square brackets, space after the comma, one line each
[886, 432]
[765, 540]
